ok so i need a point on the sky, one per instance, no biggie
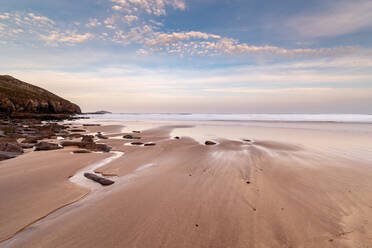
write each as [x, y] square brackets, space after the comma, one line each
[194, 56]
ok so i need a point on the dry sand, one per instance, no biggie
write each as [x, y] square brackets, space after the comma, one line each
[283, 190]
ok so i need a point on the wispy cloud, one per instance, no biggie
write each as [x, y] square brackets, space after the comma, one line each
[68, 37]
[154, 7]
[4, 16]
[93, 22]
[164, 39]
[342, 17]
[42, 19]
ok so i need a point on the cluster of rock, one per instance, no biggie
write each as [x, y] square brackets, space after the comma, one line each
[87, 142]
[19, 134]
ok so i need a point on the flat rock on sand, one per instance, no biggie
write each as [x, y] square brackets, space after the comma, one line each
[101, 180]
[46, 146]
[81, 151]
[210, 143]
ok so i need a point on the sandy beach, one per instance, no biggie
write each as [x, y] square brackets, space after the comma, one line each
[289, 184]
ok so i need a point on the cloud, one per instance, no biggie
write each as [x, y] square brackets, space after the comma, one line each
[343, 17]
[117, 7]
[204, 44]
[141, 52]
[42, 19]
[69, 37]
[130, 18]
[233, 47]
[4, 16]
[154, 7]
[163, 38]
[130, 29]
[93, 23]
[135, 35]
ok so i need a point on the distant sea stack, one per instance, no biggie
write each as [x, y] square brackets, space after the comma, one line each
[101, 112]
[17, 98]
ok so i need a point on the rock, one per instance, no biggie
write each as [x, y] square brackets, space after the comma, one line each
[31, 140]
[101, 180]
[100, 112]
[71, 143]
[247, 140]
[46, 146]
[136, 143]
[27, 146]
[75, 135]
[177, 137]
[150, 144]
[87, 139]
[6, 105]
[210, 143]
[101, 136]
[10, 145]
[7, 155]
[77, 130]
[87, 142]
[136, 131]
[91, 125]
[100, 147]
[81, 151]
[128, 136]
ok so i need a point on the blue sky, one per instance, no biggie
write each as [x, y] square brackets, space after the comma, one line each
[194, 56]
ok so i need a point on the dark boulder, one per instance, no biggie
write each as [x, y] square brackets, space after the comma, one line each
[27, 146]
[210, 143]
[10, 145]
[46, 146]
[101, 180]
[150, 144]
[77, 130]
[7, 155]
[81, 151]
[128, 136]
[99, 147]
[31, 140]
[71, 143]
[87, 139]
[136, 143]
[101, 136]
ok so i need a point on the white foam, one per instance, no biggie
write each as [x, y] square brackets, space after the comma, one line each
[145, 167]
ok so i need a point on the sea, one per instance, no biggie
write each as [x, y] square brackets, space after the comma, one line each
[356, 118]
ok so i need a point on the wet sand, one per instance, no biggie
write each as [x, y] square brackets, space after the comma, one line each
[295, 185]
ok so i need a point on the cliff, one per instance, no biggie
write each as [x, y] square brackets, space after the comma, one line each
[20, 97]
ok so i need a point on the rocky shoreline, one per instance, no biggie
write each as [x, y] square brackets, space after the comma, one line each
[20, 135]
